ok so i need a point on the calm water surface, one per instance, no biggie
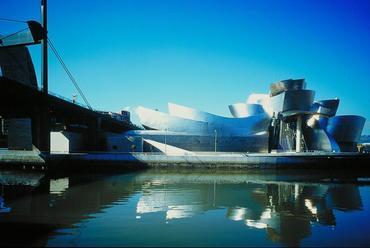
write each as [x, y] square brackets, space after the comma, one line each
[184, 208]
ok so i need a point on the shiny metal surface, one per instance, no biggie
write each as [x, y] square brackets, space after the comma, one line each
[239, 110]
[224, 126]
[195, 130]
[318, 139]
[346, 128]
[326, 107]
[207, 142]
[162, 121]
[294, 101]
[264, 122]
[317, 121]
[287, 85]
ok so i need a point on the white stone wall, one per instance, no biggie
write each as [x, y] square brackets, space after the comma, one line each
[66, 142]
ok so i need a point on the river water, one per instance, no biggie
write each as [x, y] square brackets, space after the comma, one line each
[185, 208]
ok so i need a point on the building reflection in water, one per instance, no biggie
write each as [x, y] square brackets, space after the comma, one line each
[285, 210]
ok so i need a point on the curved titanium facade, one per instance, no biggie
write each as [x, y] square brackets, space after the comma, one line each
[161, 121]
[346, 128]
[318, 139]
[287, 85]
[224, 126]
[239, 110]
[294, 101]
[263, 123]
[326, 107]
[196, 142]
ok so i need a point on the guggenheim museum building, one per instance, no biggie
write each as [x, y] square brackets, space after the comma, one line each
[286, 119]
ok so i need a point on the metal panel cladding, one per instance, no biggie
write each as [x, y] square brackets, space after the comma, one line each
[346, 128]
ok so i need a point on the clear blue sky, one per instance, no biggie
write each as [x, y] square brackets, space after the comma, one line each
[204, 54]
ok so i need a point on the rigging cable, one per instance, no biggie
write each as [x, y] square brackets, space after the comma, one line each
[69, 73]
[11, 20]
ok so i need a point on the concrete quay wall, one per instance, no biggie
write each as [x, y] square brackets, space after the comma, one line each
[223, 160]
[13, 159]
[123, 161]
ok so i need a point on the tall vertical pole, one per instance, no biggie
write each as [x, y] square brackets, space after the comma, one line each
[44, 16]
[215, 140]
[165, 140]
[45, 120]
[298, 137]
[281, 130]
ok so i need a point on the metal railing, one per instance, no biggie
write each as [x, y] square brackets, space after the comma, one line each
[197, 153]
[69, 100]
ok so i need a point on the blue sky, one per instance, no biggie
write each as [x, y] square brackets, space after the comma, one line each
[204, 54]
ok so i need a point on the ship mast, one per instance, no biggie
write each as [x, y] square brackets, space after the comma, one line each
[45, 120]
[44, 45]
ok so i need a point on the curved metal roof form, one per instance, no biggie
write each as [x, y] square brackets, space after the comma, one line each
[346, 128]
[287, 85]
[293, 102]
[326, 107]
[156, 120]
[286, 118]
[239, 110]
[222, 125]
